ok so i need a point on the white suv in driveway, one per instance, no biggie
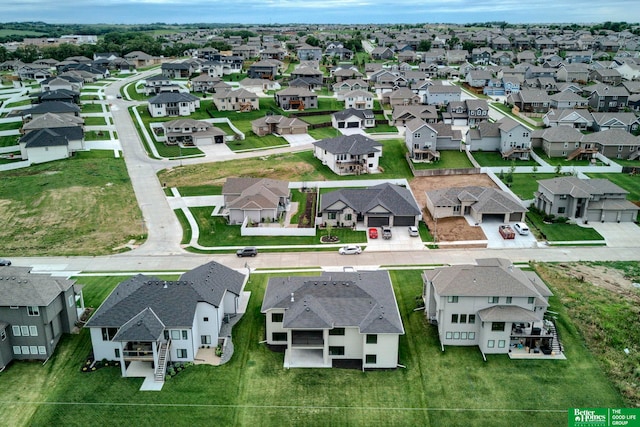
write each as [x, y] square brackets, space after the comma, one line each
[521, 228]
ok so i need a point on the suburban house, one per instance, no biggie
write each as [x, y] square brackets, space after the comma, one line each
[383, 204]
[51, 121]
[46, 145]
[468, 112]
[192, 132]
[168, 104]
[141, 59]
[478, 79]
[306, 52]
[255, 199]
[154, 321]
[296, 99]
[307, 72]
[54, 83]
[605, 98]
[381, 52]
[567, 99]
[278, 124]
[403, 114]
[585, 200]
[558, 141]
[332, 318]
[506, 136]
[175, 70]
[346, 86]
[608, 76]
[400, 97]
[265, 69]
[205, 83]
[626, 121]
[480, 203]
[612, 143]
[35, 310]
[358, 99]
[579, 119]
[572, 73]
[352, 118]
[530, 100]
[423, 140]
[492, 305]
[349, 154]
[156, 84]
[236, 100]
[442, 94]
[55, 107]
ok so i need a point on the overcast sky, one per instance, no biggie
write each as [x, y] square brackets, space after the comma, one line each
[319, 11]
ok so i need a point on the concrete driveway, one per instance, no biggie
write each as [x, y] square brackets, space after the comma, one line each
[301, 139]
[400, 241]
[495, 240]
[622, 235]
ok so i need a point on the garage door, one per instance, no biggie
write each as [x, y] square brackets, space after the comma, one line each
[377, 221]
[352, 124]
[594, 215]
[204, 141]
[611, 216]
[404, 220]
[340, 125]
[493, 218]
[515, 216]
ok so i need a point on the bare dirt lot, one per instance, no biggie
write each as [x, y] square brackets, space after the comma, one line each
[449, 229]
[602, 277]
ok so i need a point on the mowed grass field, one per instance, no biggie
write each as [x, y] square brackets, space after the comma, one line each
[80, 206]
[451, 388]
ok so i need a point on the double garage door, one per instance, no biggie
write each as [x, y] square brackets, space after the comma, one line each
[350, 125]
[398, 221]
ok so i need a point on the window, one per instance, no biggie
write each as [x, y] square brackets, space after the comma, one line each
[509, 300]
[116, 352]
[449, 335]
[454, 318]
[497, 326]
[561, 210]
[16, 349]
[277, 317]
[24, 330]
[619, 147]
[472, 335]
[181, 353]
[185, 335]
[3, 335]
[494, 300]
[33, 349]
[108, 333]
[472, 318]
[205, 339]
[372, 339]
[501, 344]
[33, 331]
[71, 301]
[16, 331]
[348, 217]
[371, 359]
[175, 334]
[456, 335]
[24, 349]
[331, 215]
[463, 318]
[33, 310]
[463, 335]
[563, 197]
[336, 351]
[452, 299]
[279, 336]
[530, 300]
[336, 331]
[491, 343]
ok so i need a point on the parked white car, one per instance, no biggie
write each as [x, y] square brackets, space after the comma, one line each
[521, 228]
[413, 231]
[350, 250]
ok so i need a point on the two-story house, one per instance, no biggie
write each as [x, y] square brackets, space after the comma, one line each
[322, 320]
[296, 98]
[585, 200]
[605, 98]
[349, 154]
[167, 104]
[35, 311]
[492, 305]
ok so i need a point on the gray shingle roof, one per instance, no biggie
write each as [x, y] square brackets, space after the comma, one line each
[396, 199]
[145, 326]
[349, 144]
[363, 299]
[345, 114]
[581, 188]
[488, 200]
[506, 313]
[52, 137]
[167, 97]
[491, 277]
[173, 302]
[20, 287]
[52, 107]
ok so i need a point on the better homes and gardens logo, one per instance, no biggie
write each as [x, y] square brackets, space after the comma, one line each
[604, 417]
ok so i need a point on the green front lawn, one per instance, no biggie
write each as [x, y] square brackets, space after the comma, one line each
[434, 388]
[559, 232]
[494, 158]
[449, 159]
[324, 133]
[631, 183]
[214, 231]
[563, 162]
[10, 125]
[255, 142]
[8, 141]
[525, 184]
[382, 129]
[314, 120]
[95, 121]
[92, 135]
[92, 108]
[18, 103]
[202, 190]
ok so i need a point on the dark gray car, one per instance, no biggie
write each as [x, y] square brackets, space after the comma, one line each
[248, 251]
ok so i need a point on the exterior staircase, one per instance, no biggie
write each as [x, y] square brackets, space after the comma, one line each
[634, 155]
[556, 345]
[581, 150]
[161, 368]
[509, 153]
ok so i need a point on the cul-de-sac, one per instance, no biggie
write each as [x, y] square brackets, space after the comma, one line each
[332, 223]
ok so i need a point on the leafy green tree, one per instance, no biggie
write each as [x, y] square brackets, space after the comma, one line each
[424, 46]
